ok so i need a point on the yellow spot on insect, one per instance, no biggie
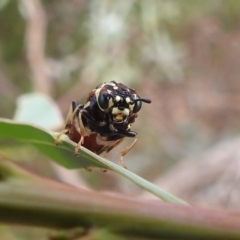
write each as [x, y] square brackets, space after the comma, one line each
[119, 117]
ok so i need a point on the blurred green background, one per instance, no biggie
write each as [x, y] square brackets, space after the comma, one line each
[183, 55]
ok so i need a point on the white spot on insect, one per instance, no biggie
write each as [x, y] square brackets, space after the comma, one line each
[129, 127]
[128, 100]
[109, 91]
[97, 92]
[130, 103]
[87, 104]
[110, 103]
[111, 84]
[116, 111]
[135, 96]
[131, 106]
[115, 87]
[117, 98]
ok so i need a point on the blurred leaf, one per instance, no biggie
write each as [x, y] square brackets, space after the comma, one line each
[38, 109]
[64, 154]
[3, 3]
[26, 199]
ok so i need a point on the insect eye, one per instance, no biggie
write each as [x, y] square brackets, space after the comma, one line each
[137, 107]
[103, 101]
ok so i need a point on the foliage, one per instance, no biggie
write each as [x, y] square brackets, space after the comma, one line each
[64, 156]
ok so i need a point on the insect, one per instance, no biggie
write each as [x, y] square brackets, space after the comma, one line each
[104, 120]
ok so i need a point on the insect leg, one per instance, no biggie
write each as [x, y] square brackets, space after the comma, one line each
[72, 111]
[82, 132]
[125, 151]
[64, 131]
[78, 146]
[105, 156]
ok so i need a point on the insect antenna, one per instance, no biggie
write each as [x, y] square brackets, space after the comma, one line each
[143, 100]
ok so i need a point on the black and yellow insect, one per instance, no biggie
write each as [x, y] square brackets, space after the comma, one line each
[105, 119]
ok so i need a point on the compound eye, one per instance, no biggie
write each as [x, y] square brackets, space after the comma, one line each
[103, 101]
[137, 107]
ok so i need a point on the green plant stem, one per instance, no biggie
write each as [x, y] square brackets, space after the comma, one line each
[63, 154]
[46, 203]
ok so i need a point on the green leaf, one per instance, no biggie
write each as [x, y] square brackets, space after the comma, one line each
[64, 154]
